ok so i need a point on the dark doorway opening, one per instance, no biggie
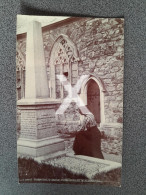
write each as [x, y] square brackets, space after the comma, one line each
[93, 99]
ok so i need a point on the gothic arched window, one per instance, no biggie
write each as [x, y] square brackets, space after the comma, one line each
[63, 61]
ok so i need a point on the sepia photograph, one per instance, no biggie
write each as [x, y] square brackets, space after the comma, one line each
[69, 85]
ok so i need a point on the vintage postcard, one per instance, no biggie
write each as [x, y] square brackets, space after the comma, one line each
[69, 99]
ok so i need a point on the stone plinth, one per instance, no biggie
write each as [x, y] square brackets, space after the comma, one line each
[40, 148]
[38, 136]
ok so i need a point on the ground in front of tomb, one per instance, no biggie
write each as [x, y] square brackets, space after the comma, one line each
[111, 151]
[94, 169]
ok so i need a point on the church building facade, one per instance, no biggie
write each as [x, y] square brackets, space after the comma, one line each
[72, 47]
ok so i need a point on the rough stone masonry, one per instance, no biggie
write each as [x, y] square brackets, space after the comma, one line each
[76, 46]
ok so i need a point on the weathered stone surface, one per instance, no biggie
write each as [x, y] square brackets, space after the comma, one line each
[84, 165]
[36, 85]
[99, 43]
[38, 123]
[40, 148]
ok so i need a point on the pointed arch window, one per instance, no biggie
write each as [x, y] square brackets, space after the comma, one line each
[63, 61]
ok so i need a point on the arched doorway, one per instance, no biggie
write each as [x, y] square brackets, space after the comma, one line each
[92, 94]
[93, 99]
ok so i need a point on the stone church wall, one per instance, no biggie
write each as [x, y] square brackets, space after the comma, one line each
[99, 43]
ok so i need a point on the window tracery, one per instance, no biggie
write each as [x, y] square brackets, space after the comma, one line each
[64, 60]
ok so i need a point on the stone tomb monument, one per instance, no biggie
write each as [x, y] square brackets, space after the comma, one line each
[38, 137]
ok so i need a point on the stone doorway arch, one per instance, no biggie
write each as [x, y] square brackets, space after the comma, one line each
[92, 94]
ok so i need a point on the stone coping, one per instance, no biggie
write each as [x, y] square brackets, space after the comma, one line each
[97, 160]
[88, 166]
[108, 165]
